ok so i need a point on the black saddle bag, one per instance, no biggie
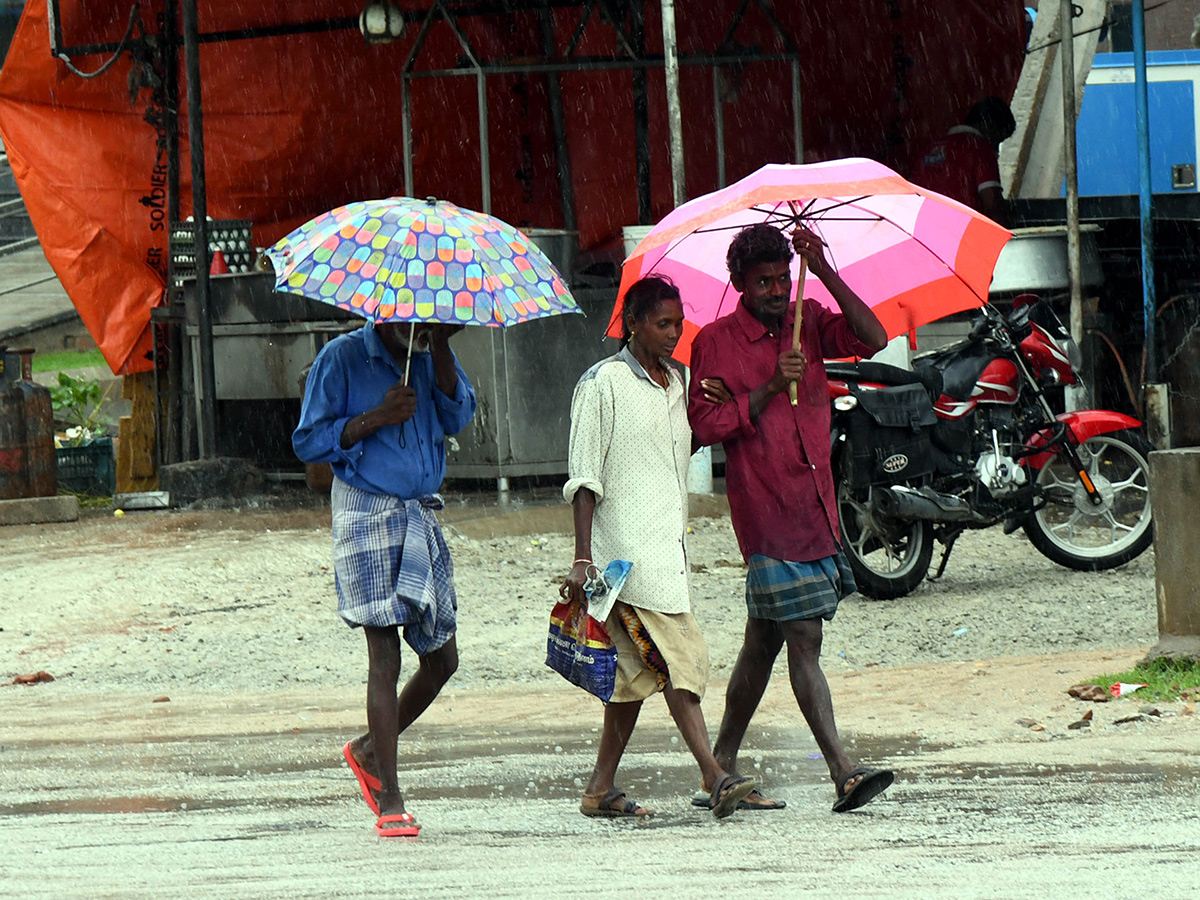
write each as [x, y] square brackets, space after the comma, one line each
[889, 435]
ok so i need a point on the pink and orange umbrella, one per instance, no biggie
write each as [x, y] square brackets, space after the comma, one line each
[911, 254]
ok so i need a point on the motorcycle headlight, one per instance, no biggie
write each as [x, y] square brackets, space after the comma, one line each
[846, 403]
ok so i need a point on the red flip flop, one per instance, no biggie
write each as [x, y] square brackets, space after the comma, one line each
[402, 825]
[368, 782]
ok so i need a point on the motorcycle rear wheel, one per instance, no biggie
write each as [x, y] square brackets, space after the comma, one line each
[889, 557]
[1072, 532]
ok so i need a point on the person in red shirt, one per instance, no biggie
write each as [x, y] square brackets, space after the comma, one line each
[962, 165]
[780, 482]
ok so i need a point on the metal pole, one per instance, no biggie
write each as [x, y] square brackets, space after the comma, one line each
[566, 185]
[173, 433]
[1074, 269]
[719, 125]
[674, 112]
[406, 131]
[641, 118]
[797, 125]
[208, 382]
[485, 149]
[1145, 197]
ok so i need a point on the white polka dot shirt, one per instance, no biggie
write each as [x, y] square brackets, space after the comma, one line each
[630, 444]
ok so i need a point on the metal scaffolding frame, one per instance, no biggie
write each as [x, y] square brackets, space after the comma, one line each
[625, 19]
[632, 57]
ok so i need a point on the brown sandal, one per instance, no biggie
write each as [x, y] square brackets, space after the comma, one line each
[607, 810]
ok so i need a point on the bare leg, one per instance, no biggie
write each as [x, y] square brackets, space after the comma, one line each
[747, 683]
[383, 653]
[803, 637]
[433, 672]
[619, 719]
[685, 710]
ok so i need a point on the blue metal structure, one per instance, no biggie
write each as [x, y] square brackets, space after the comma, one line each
[1145, 199]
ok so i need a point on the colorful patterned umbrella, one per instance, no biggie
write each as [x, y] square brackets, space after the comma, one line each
[407, 260]
[912, 255]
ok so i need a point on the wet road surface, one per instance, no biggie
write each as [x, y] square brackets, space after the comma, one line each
[238, 800]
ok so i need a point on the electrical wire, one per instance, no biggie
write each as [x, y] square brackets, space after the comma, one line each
[134, 21]
[1133, 397]
[1104, 24]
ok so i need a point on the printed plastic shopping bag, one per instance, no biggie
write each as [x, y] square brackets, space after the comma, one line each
[579, 647]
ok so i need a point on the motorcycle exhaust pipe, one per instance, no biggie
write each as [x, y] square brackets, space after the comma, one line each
[925, 504]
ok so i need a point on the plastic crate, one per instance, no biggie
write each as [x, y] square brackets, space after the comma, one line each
[233, 237]
[88, 469]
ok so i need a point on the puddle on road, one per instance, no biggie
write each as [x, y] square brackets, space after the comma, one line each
[448, 763]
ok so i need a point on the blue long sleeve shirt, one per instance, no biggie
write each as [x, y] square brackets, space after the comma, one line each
[350, 376]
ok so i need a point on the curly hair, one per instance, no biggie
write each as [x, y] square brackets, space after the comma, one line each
[756, 244]
[643, 298]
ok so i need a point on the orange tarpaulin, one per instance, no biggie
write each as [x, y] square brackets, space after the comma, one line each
[295, 125]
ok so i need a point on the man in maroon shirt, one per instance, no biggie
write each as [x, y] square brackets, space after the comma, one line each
[963, 164]
[780, 482]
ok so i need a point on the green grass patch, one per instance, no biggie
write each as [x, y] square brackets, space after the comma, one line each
[1164, 678]
[68, 359]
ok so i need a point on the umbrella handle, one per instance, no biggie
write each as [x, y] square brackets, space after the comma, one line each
[412, 331]
[793, 392]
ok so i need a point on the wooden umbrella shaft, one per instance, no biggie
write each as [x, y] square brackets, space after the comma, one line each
[793, 391]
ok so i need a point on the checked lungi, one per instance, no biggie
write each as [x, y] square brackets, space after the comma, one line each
[392, 566]
[781, 590]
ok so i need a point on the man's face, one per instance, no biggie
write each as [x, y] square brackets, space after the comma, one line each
[766, 289]
[395, 336]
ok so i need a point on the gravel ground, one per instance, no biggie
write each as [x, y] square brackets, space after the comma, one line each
[225, 599]
[235, 788]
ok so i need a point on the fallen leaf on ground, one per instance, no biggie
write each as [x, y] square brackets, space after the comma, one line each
[1136, 717]
[1092, 692]
[35, 678]
[163, 699]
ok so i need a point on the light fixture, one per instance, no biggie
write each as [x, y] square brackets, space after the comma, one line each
[381, 21]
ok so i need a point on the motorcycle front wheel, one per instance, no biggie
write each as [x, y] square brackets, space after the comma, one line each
[1073, 532]
[889, 557]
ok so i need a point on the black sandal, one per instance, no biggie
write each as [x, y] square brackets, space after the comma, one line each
[727, 793]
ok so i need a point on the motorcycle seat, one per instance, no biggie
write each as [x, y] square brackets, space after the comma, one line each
[885, 374]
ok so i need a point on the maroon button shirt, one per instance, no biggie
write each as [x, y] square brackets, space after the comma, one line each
[777, 470]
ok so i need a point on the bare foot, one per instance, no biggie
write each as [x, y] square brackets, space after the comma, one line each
[390, 804]
[364, 754]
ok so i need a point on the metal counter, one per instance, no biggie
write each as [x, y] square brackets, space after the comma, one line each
[524, 376]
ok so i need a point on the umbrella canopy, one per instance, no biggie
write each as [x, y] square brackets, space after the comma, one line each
[911, 254]
[406, 260]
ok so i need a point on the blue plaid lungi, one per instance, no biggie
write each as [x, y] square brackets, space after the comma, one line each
[780, 590]
[392, 566]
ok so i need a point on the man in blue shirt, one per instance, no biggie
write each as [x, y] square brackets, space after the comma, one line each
[385, 440]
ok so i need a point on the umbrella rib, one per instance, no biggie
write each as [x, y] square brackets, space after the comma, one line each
[949, 268]
[838, 205]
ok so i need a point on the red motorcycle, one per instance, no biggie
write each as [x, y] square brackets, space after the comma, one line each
[969, 439]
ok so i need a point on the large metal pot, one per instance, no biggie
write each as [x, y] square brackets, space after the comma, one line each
[1035, 260]
[560, 245]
